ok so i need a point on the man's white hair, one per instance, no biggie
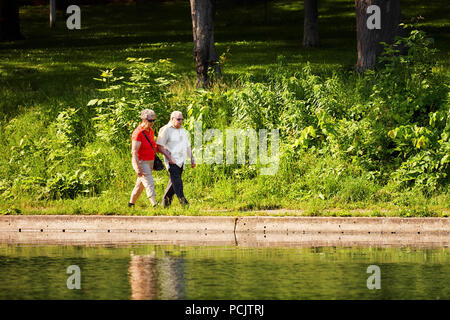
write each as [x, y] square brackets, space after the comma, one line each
[175, 114]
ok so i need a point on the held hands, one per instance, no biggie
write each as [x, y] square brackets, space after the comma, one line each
[171, 160]
[168, 155]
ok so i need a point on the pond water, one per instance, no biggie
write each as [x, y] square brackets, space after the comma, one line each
[182, 272]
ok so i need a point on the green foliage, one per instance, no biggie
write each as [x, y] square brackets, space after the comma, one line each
[117, 114]
[393, 120]
[67, 157]
[345, 138]
[255, 106]
[414, 105]
[209, 107]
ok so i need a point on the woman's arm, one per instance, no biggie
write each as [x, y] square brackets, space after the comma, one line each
[135, 145]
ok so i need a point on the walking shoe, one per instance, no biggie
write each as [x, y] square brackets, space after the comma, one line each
[153, 201]
[184, 202]
[130, 205]
[165, 203]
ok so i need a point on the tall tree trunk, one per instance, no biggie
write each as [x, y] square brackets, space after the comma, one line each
[52, 13]
[205, 55]
[9, 21]
[310, 26]
[368, 40]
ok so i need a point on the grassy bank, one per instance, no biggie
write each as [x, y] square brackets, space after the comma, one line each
[349, 145]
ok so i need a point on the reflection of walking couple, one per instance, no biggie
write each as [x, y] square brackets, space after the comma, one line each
[173, 142]
[156, 278]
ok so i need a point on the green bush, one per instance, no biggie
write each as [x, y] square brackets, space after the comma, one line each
[117, 113]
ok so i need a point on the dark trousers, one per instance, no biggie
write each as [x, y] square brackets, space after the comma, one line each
[175, 185]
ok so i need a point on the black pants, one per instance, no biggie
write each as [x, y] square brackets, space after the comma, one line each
[175, 185]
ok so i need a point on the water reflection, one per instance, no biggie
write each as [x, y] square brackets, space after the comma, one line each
[143, 277]
[156, 278]
[180, 272]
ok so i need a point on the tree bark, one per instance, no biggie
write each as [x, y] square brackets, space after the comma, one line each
[52, 13]
[9, 21]
[310, 26]
[205, 55]
[368, 40]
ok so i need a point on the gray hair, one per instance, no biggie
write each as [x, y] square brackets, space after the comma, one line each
[146, 113]
[175, 114]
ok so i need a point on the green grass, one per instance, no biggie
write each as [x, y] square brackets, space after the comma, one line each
[54, 69]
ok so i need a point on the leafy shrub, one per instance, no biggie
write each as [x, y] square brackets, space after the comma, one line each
[117, 114]
[394, 119]
[67, 185]
[210, 107]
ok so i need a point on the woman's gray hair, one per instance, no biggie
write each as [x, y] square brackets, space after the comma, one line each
[146, 113]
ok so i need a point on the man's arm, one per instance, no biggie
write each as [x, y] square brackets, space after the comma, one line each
[166, 153]
[189, 152]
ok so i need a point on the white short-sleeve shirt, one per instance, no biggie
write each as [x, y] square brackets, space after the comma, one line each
[176, 141]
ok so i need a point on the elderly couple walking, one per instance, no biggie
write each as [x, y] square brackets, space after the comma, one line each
[173, 142]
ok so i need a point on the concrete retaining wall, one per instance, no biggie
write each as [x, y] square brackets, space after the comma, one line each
[343, 231]
[242, 231]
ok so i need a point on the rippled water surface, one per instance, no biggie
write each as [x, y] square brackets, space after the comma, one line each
[179, 272]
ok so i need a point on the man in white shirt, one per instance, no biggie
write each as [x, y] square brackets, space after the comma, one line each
[173, 138]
